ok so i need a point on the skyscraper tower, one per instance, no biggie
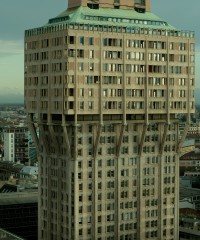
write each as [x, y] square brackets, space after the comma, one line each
[105, 81]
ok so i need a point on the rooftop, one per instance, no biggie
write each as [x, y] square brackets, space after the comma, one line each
[107, 17]
[110, 16]
[18, 198]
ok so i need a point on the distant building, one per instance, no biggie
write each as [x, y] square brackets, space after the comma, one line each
[9, 170]
[185, 182]
[28, 171]
[16, 145]
[189, 180]
[194, 129]
[19, 214]
[25, 177]
[32, 149]
[190, 159]
[188, 146]
[191, 196]
[191, 173]
[189, 224]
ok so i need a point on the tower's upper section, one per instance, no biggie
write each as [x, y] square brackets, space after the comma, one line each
[138, 5]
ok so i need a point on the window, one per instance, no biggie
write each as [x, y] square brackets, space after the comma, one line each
[90, 151]
[99, 163]
[90, 140]
[89, 208]
[80, 186]
[90, 163]
[99, 196]
[91, 66]
[99, 185]
[90, 128]
[99, 229]
[82, 40]
[80, 220]
[91, 40]
[182, 46]
[110, 173]
[89, 219]
[192, 47]
[110, 162]
[80, 164]
[91, 53]
[71, 39]
[80, 198]
[90, 105]
[81, 66]
[171, 45]
[99, 174]
[89, 174]
[110, 195]
[79, 175]
[80, 53]
[99, 207]
[79, 152]
[124, 173]
[90, 92]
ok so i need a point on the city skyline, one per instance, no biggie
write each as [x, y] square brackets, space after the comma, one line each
[23, 17]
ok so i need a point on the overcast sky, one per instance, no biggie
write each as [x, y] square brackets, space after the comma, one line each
[16, 16]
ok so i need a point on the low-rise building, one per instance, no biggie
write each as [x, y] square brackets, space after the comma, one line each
[189, 196]
[189, 227]
[190, 162]
[190, 181]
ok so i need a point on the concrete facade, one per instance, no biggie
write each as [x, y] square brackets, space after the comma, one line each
[105, 86]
